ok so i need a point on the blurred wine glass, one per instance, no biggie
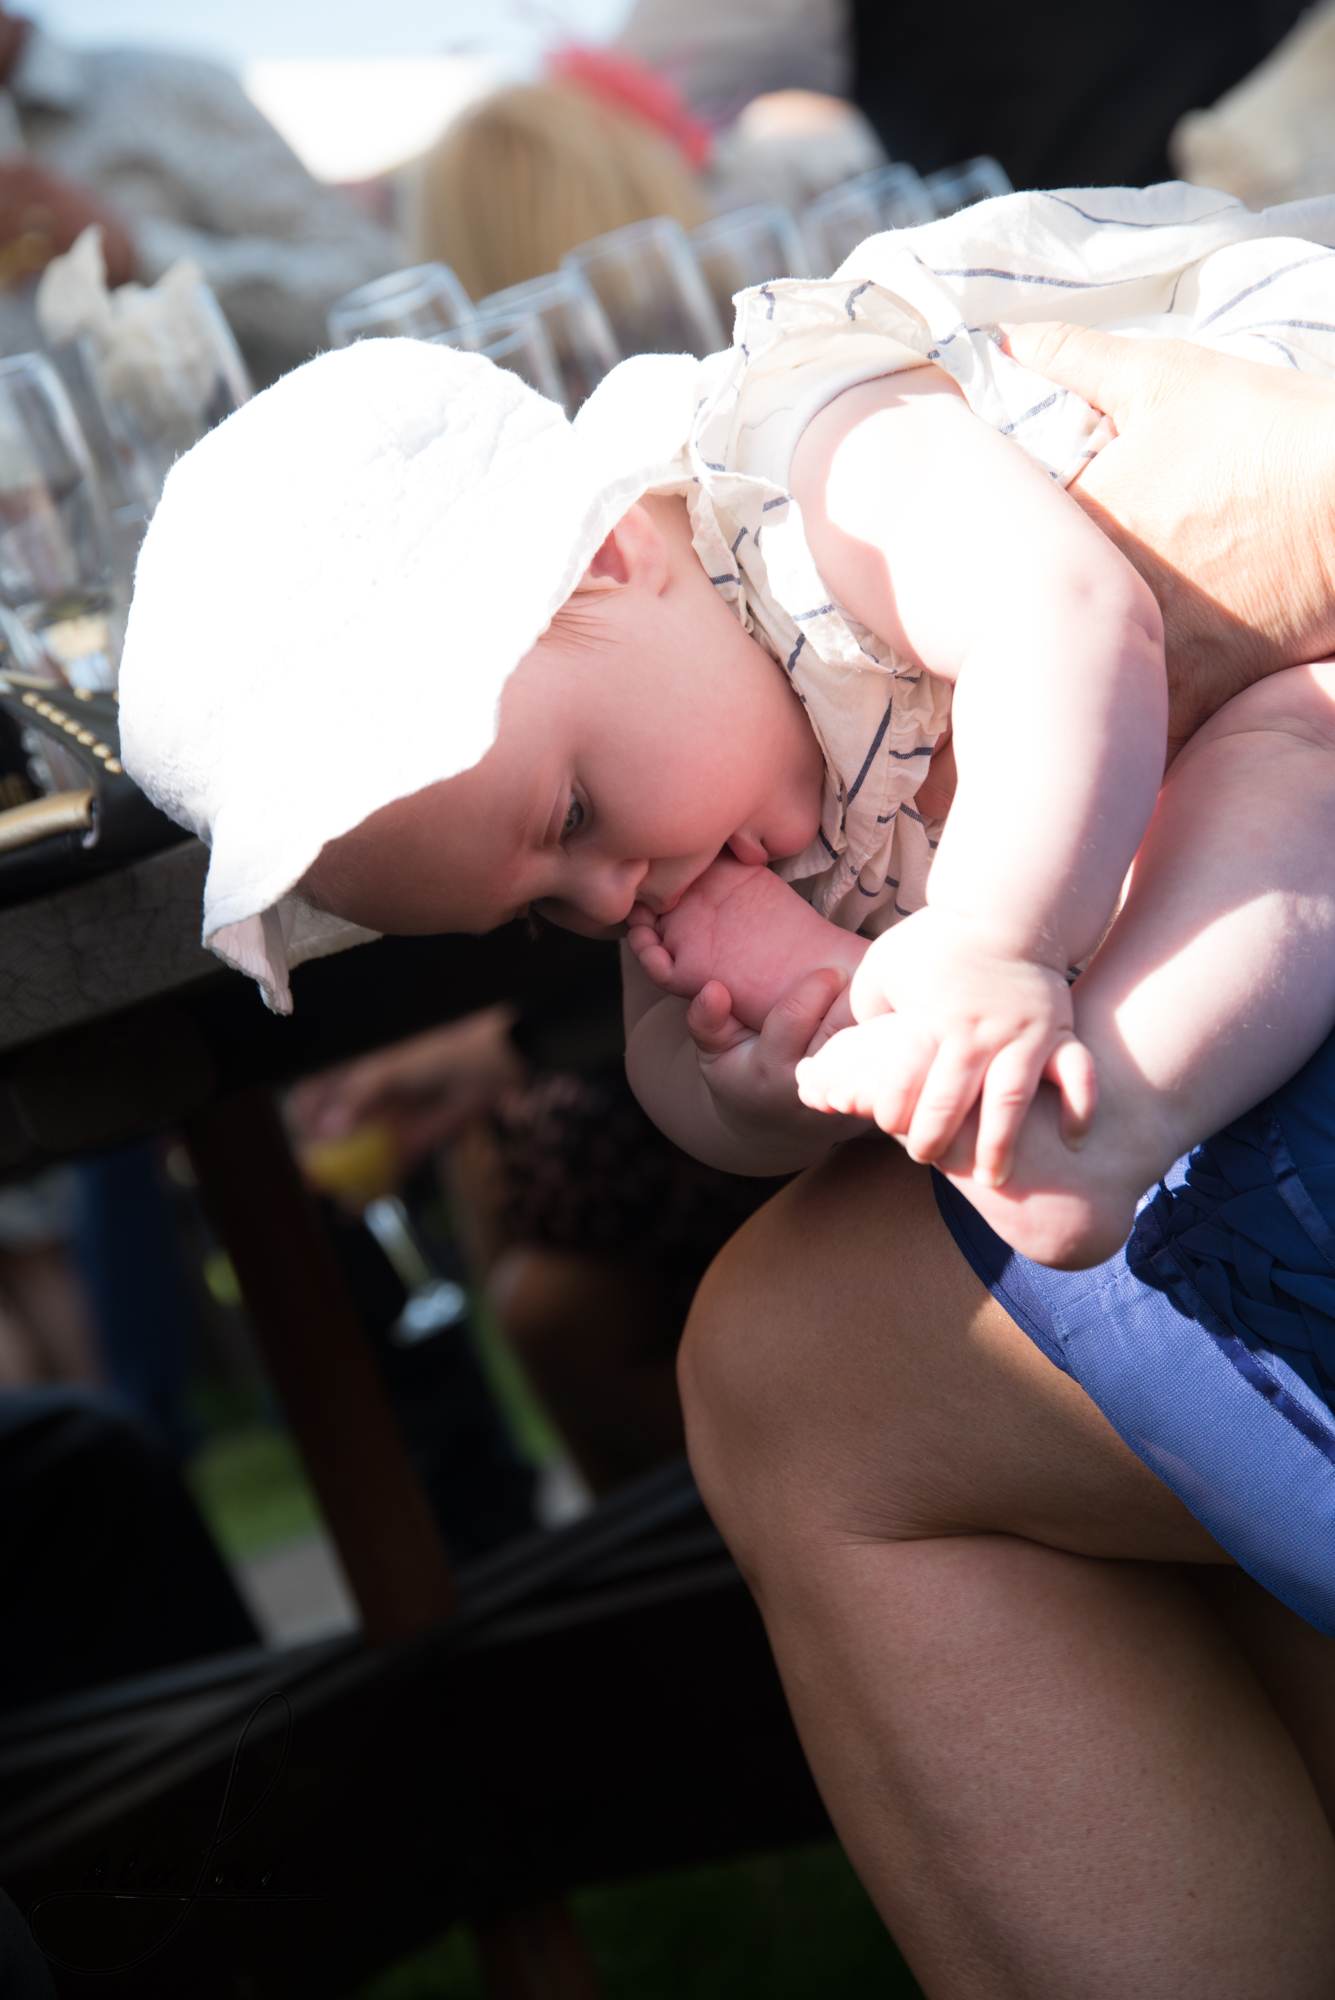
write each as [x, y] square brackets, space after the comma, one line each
[512, 340]
[423, 300]
[651, 288]
[973, 180]
[582, 342]
[55, 561]
[892, 197]
[746, 247]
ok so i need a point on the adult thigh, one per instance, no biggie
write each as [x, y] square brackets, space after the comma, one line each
[845, 1371]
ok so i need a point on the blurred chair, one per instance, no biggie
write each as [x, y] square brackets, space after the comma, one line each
[745, 248]
[577, 329]
[651, 287]
[971, 181]
[891, 197]
[418, 302]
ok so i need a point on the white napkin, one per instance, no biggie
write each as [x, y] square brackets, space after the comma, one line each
[153, 354]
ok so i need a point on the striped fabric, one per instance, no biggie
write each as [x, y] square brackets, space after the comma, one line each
[1176, 260]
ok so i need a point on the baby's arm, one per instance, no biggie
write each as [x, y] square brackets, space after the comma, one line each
[945, 539]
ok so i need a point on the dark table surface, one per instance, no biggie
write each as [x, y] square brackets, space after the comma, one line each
[115, 1021]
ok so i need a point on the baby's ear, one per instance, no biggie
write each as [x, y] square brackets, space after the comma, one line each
[609, 562]
[635, 552]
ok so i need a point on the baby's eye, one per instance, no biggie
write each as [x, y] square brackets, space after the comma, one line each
[574, 818]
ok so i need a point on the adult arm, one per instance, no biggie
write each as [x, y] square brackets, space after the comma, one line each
[1220, 488]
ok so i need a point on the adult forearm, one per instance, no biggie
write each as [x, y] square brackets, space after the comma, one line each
[1220, 489]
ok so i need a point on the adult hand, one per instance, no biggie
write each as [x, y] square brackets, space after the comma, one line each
[41, 213]
[423, 1091]
[1220, 488]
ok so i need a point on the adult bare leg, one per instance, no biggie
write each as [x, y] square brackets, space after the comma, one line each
[1047, 1757]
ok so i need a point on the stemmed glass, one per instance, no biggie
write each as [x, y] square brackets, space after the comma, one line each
[512, 340]
[746, 247]
[973, 180]
[55, 560]
[576, 327]
[651, 288]
[421, 301]
[890, 197]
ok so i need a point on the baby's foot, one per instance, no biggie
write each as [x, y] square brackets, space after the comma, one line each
[1065, 1208]
[746, 928]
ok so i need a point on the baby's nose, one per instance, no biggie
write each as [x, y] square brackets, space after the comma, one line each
[610, 893]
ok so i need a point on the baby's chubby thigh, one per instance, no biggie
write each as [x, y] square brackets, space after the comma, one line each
[748, 929]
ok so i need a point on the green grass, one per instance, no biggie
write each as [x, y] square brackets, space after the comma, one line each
[795, 1925]
[252, 1490]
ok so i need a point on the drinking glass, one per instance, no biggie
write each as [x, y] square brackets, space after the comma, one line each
[512, 340]
[163, 373]
[421, 301]
[651, 288]
[836, 222]
[973, 180]
[55, 561]
[576, 327]
[745, 247]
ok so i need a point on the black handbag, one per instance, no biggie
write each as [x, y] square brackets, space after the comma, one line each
[67, 809]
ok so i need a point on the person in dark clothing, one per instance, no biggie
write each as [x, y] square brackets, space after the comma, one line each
[106, 1568]
[1062, 95]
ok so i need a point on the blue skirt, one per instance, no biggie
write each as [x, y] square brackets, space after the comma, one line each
[1209, 1341]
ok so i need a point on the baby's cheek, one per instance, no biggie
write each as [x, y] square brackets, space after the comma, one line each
[567, 918]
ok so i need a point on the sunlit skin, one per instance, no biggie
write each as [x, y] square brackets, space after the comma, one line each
[646, 736]
[637, 742]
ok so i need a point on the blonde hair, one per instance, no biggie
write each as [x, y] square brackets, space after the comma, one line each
[531, 172]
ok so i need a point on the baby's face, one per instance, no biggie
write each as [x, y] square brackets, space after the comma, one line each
[629, 756]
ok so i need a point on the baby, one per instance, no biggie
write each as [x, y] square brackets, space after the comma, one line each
[822, 611]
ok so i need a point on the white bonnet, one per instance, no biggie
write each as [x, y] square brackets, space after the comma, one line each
[334, 589]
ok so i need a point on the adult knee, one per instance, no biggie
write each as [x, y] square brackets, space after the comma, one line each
[732, 1371]
[775, 1349]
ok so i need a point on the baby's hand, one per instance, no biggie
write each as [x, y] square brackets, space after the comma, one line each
[951, 1017]
[745, 928]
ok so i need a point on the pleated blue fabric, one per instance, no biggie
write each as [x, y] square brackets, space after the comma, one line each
[1209, 1341]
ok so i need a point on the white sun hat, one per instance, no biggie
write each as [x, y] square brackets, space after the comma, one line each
[334, 589]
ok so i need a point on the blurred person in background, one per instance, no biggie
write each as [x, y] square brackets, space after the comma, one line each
[1272, 137]
[106, 1566]
[720, 54]
[1062, 96]
[589, 1229]
[47, 1330]
[168, 153]
[531, 172]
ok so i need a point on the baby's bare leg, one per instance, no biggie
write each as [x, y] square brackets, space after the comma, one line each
[1216, 982]
[749, 930]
